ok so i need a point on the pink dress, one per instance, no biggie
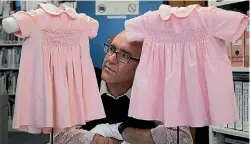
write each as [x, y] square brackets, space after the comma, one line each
[184, 76]
[57, 86]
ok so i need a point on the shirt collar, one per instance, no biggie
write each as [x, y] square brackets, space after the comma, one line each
[104, 89]
[53, 10]
[166, 11]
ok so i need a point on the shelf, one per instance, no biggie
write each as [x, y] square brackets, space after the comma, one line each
[227, 2]
[17, 44]
[220, 129]
[243, 69]
[9, 68]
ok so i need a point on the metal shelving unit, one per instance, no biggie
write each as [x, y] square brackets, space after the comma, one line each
[218, 133]
[8, 69]
[11, 45]
[228, 131]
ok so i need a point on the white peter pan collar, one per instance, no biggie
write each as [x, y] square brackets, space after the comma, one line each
[53, 10]
[167, 11]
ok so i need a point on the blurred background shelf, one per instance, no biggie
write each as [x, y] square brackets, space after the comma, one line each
[235, 69]
[228, 131]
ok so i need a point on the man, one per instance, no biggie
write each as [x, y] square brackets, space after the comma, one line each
[117, 76]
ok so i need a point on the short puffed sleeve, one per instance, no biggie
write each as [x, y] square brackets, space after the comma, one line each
[136, 28]
[26, 22]
[226, 25]
[93, 26]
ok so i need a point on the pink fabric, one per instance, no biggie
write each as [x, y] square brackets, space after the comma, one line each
[184, 76]
[57, 86]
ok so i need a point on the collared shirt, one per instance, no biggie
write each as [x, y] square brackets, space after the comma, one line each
[104, 89]
[160, 134]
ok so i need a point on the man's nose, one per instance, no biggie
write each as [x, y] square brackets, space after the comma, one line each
[112, 58]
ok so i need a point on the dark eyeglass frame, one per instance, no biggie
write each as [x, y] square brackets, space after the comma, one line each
[107, 51]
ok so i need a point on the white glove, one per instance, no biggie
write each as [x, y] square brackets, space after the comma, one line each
[101, 129]
[108, 130]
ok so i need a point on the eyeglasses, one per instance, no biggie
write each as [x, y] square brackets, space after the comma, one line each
[120, 56]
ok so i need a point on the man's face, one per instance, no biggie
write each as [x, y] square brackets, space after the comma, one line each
[113, 70]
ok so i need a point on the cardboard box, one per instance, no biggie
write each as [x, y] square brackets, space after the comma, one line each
[238, 52]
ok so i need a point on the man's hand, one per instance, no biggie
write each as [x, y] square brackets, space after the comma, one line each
[138, 136]
[98, 139]
[137, 131]
[108, 130]
[158, 135]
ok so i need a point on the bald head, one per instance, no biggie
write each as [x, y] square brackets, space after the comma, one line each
[117, 71]
[135, 46]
